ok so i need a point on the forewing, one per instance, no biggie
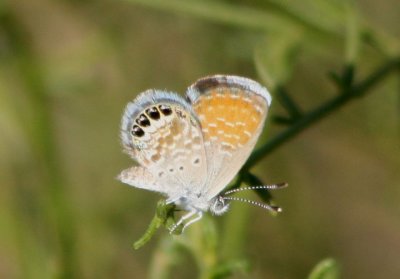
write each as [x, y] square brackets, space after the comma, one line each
[232, 112]
[161, 132]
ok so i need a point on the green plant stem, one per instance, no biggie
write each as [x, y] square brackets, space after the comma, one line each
[346, 95]
[164, 216]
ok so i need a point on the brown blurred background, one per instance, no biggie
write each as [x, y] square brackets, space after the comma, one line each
[68, 68]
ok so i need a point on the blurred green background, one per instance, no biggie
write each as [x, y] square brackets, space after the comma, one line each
[68, 68]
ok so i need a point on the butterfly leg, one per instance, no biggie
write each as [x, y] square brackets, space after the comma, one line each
[183, 218]
[199, 216]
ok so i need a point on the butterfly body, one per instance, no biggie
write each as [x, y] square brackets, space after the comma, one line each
[190, 149]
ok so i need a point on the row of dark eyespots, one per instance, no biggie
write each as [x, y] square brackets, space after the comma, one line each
[143, 118]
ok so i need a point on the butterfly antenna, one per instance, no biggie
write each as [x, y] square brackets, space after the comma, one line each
[266, 187]
[262, 205]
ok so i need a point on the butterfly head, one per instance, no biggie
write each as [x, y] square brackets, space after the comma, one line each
[219, 205]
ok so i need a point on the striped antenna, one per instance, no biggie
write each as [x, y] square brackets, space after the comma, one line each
[263, 205]
[267, 187]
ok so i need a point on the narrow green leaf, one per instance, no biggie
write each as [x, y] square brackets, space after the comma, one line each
[326, 269]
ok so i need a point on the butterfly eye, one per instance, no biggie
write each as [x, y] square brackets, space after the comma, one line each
[166, 110]
[137, 131]
[153, 113]
[143, 121]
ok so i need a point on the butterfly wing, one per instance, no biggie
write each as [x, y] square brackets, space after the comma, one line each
[232, 112]
[161, 132]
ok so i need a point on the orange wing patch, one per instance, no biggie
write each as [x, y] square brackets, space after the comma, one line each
[230, 116]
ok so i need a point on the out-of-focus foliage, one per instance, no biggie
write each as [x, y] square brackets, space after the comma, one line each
[68, 68]
[326, 269]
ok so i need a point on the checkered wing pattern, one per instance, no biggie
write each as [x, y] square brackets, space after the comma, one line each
[232, 112]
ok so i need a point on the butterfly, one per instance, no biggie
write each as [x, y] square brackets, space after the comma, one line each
[189, 149]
